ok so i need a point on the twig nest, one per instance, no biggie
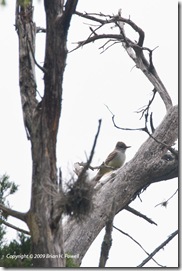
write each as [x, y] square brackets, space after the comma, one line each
[78, 199]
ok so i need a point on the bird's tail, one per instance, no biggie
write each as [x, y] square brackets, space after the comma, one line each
[98, 176]
[102, 171]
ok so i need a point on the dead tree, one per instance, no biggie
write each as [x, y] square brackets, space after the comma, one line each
[41, 120]
[150, 164]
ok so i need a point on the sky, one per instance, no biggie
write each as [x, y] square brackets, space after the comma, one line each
[92, 80]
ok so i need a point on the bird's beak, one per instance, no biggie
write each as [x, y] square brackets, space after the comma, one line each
[128, 146]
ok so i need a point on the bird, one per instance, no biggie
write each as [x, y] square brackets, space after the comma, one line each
[114, 160]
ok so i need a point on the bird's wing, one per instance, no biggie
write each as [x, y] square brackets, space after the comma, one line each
[110, 157]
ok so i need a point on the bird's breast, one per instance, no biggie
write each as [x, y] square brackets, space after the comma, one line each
[118, 160]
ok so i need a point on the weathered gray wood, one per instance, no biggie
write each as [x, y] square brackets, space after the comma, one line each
[41, 120]
[146, 167]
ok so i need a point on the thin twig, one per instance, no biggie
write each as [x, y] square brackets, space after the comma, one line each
[109, 46]
[40, 30]
[138, 57]
[146, 109]
[158, 248]
[136, 243]
[97, 37]
[86, 167]
[33, 55]
[144, 129]
[121, 128]
[164, 203]
[92, 18]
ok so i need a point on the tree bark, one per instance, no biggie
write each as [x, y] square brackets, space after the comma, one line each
[41, 121]
[146, 167]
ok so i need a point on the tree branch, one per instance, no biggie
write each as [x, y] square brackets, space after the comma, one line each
[145, 168]
[13, 227]
[77, 200]
[97, 37]
[135, 242]
[7, 211]
[158, 248]
[145, 129]
[164, 203]
[70, 7]
[33, 56]
[146, 109]
[135, 212]
[134, 50]
[92, 18]
[26, 31]
[87, 165]
[107, 241]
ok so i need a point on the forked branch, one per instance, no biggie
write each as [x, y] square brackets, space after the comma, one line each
[134, 49]
[145, 129]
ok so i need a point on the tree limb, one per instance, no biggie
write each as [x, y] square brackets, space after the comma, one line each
[145, 129]
[70, 7]
[135, 242]
[135, 212]
[107, 241]
[158, 248]
[26, 31]
[97, 37]
[7, 211]
[134, 50]
[146, 167]
[13, 227]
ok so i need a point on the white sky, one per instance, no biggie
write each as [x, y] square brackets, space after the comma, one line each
[91, 80]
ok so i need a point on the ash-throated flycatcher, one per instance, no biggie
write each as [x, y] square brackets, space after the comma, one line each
[114, 160]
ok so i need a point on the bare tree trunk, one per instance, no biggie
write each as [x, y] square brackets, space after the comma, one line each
[41, 121]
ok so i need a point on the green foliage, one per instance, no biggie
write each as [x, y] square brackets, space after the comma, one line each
[2, 234]
[16, 253]
[6, 188]
[20, 247]
[3, 2]
[70, 261]
[24, 3]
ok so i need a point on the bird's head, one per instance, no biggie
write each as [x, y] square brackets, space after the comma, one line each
[121, 146]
